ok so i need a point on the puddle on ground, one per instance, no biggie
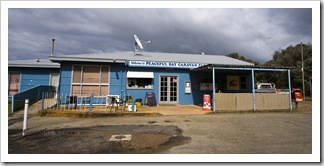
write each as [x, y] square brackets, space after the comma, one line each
[152, 122]
[129, 139]
[14, 131]
[58, 133]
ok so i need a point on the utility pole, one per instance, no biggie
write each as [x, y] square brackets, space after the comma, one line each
[302, 58]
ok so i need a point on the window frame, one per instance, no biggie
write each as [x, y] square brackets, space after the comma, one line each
[139, 76]
[81, 84]
[19, 83]
[139, 87]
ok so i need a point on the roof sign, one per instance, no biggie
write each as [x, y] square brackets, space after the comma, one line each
[164, 64]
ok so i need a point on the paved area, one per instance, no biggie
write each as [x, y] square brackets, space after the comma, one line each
[32, 111]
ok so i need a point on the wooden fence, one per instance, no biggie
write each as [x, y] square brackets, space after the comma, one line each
[244, 101]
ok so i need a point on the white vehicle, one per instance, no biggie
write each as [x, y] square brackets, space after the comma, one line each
[265, 88]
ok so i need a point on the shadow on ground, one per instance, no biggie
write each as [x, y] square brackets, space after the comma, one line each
[142, 139]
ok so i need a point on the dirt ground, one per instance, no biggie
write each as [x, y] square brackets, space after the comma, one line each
[219, 133]
[98, 140]
[304, 106]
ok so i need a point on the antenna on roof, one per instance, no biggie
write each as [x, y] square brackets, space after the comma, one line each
[139, 45]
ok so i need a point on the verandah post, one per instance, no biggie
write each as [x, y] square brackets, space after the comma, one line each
[90, 104]
[43, 95]
[214, 91]
[289, 86]
[253, 90]
[12, 103]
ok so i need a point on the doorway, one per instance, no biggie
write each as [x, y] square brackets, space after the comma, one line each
[169, 89]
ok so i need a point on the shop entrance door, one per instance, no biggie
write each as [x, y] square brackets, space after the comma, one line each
[168, 89]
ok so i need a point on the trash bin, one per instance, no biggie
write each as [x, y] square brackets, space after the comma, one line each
[138, 102]
[296, 95]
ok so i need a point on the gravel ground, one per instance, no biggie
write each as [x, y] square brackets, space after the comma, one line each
[174, 133]
[222, 133]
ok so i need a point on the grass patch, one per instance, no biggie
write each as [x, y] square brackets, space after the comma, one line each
[298, 110]
[307, 101]
[9, 109]
[304, 106]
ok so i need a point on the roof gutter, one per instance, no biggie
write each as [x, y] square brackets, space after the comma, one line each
[34, 66]
[256, 68]
[61, 59]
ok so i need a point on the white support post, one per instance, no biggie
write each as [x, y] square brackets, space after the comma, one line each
[289, 86]
[25, 117]
[253, 91]
[214, 91]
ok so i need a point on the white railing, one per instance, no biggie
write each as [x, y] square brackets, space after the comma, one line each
[85, 103]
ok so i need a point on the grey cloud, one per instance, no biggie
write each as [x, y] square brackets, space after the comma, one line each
[294, 21]
[254, 33]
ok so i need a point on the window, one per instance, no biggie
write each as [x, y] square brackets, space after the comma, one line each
[14, 83]
[90, 79]
[243, 82]
[140, 80]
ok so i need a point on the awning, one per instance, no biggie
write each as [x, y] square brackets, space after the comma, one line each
[139, 74]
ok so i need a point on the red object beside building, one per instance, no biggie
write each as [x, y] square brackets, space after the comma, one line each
[296, 95]
[206, 105]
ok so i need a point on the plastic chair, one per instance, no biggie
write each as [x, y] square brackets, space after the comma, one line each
[112, 102]
[72, 100]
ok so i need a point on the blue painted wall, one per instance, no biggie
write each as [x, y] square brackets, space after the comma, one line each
[117, 79]
[65, 78]
[31, 77]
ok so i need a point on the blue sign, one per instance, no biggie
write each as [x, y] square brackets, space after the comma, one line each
[164, 64]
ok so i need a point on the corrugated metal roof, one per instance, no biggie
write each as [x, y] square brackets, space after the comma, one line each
[37, 63]
[121, 57]
[254, 67]
[238, 68]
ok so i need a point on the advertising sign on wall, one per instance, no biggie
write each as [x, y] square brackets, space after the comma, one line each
[233, 83]
[206, 105]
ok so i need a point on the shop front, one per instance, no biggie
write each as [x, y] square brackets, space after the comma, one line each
[171, 77]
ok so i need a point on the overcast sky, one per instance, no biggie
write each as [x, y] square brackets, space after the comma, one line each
[253, 33]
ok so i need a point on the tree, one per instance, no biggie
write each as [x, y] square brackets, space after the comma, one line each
[289, 57]
[237, 56]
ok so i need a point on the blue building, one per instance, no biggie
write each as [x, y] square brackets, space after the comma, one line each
[26, 74]
[174, 78]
